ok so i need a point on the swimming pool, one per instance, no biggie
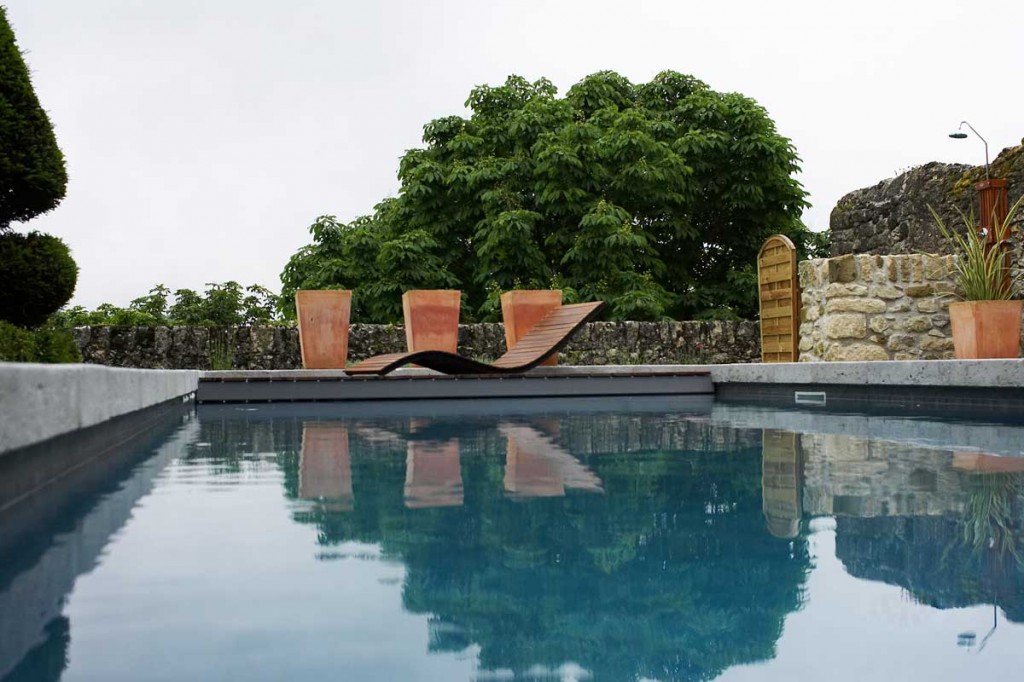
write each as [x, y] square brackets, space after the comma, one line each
[660, 538]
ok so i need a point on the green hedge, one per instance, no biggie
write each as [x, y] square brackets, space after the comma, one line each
[48, 344]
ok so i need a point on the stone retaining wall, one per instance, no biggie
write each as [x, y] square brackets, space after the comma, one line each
[598, 343]
[876, 308]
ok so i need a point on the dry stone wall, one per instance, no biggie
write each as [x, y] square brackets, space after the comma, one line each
[892, 216]
[599, 343]
[876, 308]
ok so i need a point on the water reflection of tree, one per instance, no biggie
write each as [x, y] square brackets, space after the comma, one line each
[48, 661]
[670, 574]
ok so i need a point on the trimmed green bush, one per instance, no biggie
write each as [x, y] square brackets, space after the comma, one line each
[37, 276]
[47, 344]
[33, 179]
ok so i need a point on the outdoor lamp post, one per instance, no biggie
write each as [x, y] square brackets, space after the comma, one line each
[992, 199]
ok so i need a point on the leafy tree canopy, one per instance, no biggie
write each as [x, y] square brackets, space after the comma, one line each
[32, 175]
[654, 197]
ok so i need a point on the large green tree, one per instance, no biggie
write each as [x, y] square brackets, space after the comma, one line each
[654, 197]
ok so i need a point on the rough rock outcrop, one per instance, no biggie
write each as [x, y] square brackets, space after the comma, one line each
[892, 217]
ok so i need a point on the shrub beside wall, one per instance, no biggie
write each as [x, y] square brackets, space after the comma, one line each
[47, 344]
[599, 343]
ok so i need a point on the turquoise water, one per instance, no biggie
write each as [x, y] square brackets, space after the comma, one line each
[637, 540]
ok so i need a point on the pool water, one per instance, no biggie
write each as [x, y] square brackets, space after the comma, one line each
[574, 540]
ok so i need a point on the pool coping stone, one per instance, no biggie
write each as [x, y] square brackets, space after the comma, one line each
[39, 402]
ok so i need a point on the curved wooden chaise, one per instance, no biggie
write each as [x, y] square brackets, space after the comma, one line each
[538, 344]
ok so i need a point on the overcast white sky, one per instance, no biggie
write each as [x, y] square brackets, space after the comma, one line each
[204, 136]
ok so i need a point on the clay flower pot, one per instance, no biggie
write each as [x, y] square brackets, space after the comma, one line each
[985, 329]
[431, 319]
[522, 309]
[323, 327]
[987, 323]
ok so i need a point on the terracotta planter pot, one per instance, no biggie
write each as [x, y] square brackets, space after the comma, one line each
[985, 329]
[432, 319]
[323, 327]
[522, 309]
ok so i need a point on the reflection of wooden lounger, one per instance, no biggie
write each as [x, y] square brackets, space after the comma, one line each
[325, 470]
[540, 343]
[536, 467]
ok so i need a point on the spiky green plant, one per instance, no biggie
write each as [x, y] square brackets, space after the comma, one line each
[990, 518]
[982, 273]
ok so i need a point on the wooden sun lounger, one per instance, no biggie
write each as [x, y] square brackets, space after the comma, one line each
[540, 343]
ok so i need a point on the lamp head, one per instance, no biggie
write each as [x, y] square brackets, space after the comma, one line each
[958, 135]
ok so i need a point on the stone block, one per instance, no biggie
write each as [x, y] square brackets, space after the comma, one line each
[933, 344]
[934, 267]
[902, 342]
[911, 268]
[915, 323]
[880, 324]
[865, 268]
[886, 292]
[856, 352]
[841, 290]
[855, 305]
[842, 269]
[928, 305]
[920, 290]
[810, 273]
[846, 326]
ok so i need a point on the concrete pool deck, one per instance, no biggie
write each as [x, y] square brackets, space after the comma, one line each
[39, 402]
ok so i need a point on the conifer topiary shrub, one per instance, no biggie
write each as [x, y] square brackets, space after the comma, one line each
[37, 273]
[33, 179]
[37, 277]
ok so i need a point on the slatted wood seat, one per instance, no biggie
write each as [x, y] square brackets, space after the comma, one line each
[540, 343]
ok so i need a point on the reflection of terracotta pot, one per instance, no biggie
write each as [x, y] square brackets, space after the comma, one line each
[431, 319]
[323, 327]
[985, 329]
[983, 463]
[522, 309]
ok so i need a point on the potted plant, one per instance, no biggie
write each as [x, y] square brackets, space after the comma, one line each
[986, 323]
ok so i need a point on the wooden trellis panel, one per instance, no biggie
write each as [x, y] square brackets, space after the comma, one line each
[779, 293]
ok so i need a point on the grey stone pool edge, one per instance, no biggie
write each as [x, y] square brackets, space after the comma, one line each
[39, 402]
